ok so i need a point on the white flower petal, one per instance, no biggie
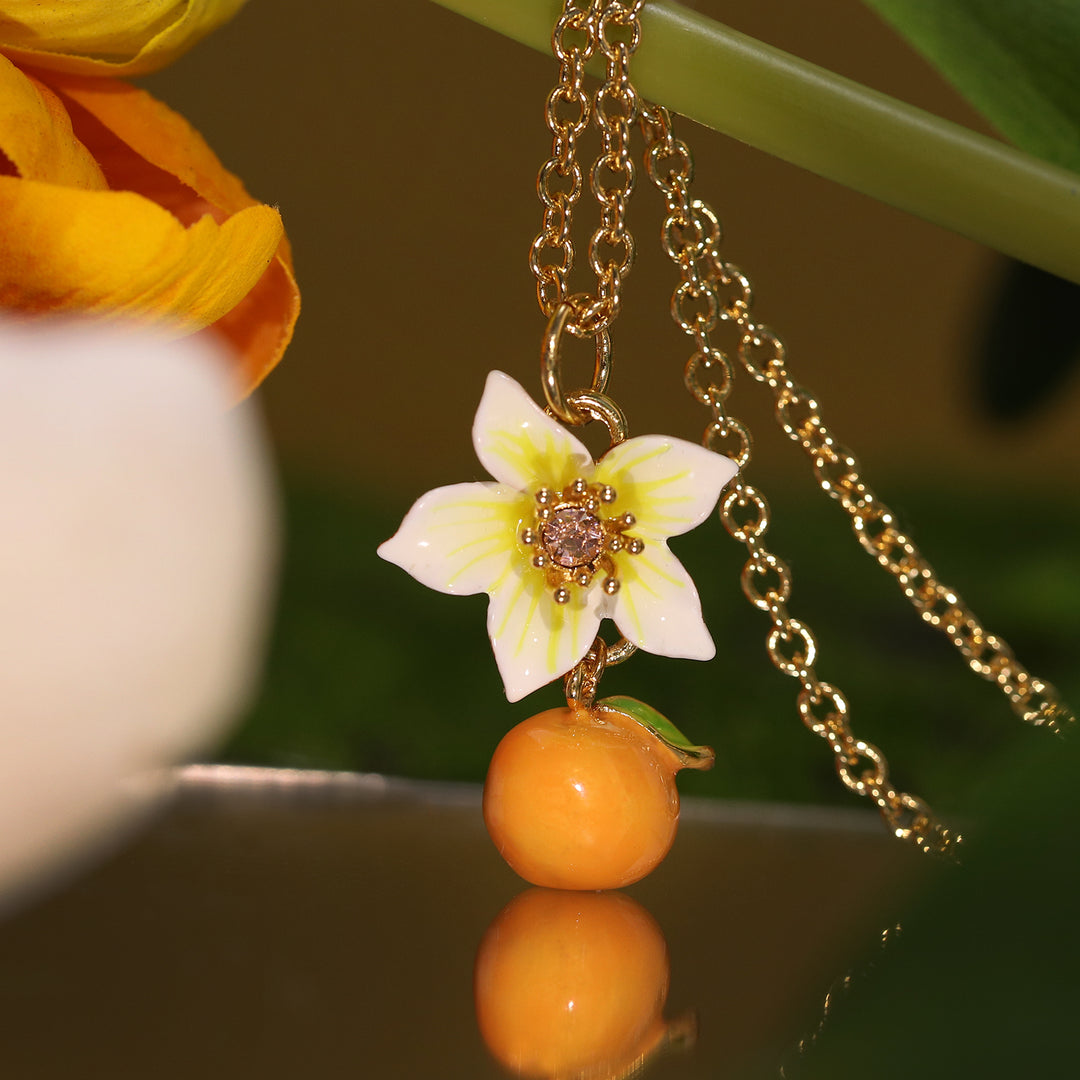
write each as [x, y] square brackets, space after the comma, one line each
[459, 539]
[669, 485]
[536, 640]
[519, 444]
[657, 607]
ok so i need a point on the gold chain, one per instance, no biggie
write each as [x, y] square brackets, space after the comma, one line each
[612, 28]
[691, 237]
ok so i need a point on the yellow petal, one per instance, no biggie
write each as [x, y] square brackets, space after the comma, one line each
[146, 147]
[115, 252]
[36, 135]
[107, 37]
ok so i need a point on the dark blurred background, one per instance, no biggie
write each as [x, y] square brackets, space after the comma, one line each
[401, 142]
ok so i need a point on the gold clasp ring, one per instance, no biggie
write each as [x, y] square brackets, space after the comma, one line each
[559, 402]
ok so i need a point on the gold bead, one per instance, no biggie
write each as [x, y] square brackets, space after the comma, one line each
[615, 544]
[582, 578]
[540, 561]
[578, 487]
[627, 521]
[636, 546]
[561, 595]
[608, 494]
[544, 495]
[611, 586]
[528, 536]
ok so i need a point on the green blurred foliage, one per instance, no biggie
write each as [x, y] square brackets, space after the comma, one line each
[369, 670]
[1016, 61]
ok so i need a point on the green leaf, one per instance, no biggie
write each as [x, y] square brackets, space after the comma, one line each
[1016, 61]
[692, 756]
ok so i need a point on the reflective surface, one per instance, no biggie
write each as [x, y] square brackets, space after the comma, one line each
[305, 924]
[574, 984]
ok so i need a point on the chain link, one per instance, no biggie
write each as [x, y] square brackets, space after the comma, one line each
[610, 28]
[581, 681]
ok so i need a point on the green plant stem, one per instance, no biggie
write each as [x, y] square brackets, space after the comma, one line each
[837, 128]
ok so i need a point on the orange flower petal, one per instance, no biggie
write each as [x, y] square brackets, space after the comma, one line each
[115, 252]
[107, 37]
[144, 147]
[36, 135]
[155, 133]
[256, 328]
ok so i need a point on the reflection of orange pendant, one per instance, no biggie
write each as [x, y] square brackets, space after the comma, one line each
[572, 984]
[586, 798]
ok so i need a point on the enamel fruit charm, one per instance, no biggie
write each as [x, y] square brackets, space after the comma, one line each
[585, 798]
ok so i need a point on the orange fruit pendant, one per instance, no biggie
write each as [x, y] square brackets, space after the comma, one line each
[585, 798]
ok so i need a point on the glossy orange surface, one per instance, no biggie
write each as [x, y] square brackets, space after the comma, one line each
[576, 799]
[571, 984]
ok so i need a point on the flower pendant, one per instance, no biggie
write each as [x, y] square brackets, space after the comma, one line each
[560, 542]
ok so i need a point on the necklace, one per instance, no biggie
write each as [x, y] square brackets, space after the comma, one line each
[584, 797]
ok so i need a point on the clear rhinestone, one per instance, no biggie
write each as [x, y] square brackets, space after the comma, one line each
[573, 537]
